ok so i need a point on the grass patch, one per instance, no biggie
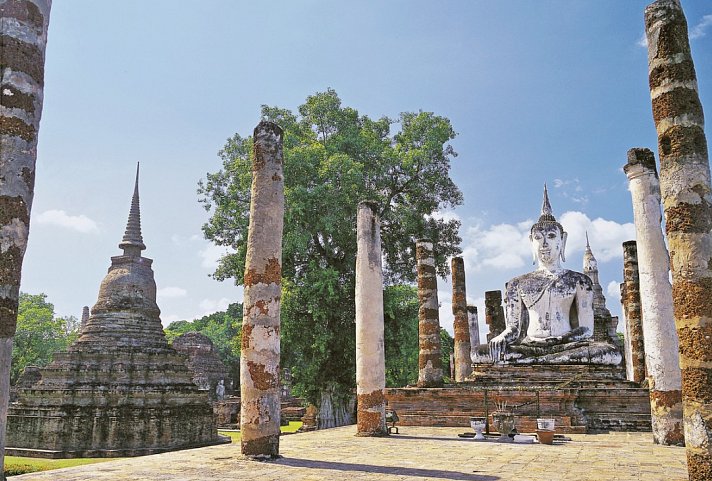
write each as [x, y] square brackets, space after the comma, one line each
[235, 435]
[15, 465]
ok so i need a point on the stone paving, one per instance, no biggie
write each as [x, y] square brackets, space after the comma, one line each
[418, 453]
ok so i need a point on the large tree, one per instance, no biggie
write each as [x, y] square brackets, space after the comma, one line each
[334, 157]
[23, 39]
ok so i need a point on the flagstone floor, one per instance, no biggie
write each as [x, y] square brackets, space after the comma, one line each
[418, 453]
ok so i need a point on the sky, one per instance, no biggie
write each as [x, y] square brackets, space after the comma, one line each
[553, 91]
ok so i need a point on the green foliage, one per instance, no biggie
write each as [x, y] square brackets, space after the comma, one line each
[333, 159]
[400, 315]
[223, 328]
[39, 333]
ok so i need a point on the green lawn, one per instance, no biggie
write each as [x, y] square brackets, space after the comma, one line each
[19, 465]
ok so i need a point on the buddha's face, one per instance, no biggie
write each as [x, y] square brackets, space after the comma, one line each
[547, 243]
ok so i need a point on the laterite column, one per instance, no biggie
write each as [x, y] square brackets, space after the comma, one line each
[686, 195]
[633, 312]
[259, 360]
[463, 363]
[370, 353]
[430, 367]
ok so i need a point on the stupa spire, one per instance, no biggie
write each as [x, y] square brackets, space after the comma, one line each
[132, 243]
[588, 246]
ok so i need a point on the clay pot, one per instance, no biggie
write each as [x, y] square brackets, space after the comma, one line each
[545, 437]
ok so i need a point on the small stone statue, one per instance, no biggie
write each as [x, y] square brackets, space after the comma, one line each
[549, 312]
[220, 390]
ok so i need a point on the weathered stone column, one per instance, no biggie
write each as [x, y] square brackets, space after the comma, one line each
[259, 361]
[685, 186]
[633, 313]
[494, 314]
[659, 336]
[463, 363]
[370, 352]
[430, 364]
[23, 39]
[474, 326]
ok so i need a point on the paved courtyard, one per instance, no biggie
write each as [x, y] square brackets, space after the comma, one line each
[418, 453]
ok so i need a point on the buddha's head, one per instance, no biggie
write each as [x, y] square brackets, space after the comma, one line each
[547, 236]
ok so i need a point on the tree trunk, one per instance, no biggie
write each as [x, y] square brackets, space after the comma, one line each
[23, 39]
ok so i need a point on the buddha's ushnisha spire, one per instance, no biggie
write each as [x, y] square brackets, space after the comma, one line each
[546, 206]
[132, 243]
[547, 215]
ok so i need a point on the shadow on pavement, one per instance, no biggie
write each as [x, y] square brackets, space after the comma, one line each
[390, 470]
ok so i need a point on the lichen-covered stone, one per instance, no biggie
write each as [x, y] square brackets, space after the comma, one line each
[630, 295]
[461, 326]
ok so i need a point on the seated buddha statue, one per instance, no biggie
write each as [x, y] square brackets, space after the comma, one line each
[549, 312]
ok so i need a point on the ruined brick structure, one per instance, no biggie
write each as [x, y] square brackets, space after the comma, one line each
[203, 361]
[630, 293]
[259, 362]
[461, 326]
[686, 197]
[119, 390]
[494, 314]
[659, 336]
[370, 352]
[430, 368]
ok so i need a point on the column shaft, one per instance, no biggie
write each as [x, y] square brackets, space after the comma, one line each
[463, 363]
[633, 312]
[659, 335]
[430, 369]
[686, 195]
[259, 360]
[370, 353]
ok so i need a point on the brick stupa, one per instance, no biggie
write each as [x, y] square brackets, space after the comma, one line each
[119, 390]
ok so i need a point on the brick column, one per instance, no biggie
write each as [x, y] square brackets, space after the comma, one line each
[430, 367]
[659, 335]
[633, 314]
[463, 363]
[259, 360]
[686, 194]
[370, 354]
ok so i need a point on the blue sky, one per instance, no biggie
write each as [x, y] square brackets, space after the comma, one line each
[546, 91]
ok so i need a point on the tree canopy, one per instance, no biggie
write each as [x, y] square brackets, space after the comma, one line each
[333, 159]
[39, 333]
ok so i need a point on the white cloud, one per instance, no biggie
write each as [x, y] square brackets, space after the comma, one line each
[214, 305]
[606, 236]
[211, 254]
[642, 41]
[445, 215]
[79, 223]
[171, 292]
[699, 30]
[613, 291]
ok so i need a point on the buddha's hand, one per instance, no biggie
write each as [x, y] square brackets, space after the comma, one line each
[497, 347]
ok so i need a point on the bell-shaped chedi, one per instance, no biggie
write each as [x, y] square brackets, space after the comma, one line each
[120, 389]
